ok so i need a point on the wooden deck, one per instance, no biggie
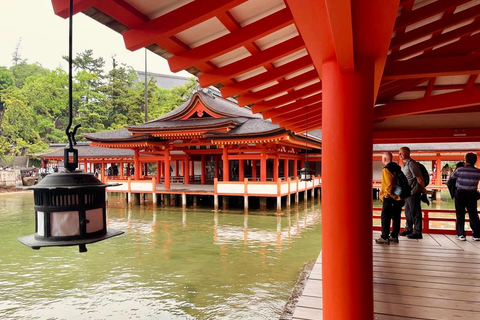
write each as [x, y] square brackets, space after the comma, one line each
[436, 278]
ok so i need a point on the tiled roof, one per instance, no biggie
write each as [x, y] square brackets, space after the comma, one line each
[90, 151]
[164, 81]
[187, 123]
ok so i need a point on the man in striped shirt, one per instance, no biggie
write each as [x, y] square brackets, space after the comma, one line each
[466, 197]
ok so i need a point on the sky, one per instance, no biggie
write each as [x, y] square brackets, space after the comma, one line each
[43, 38]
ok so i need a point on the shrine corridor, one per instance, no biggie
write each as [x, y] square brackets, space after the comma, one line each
[435, 278]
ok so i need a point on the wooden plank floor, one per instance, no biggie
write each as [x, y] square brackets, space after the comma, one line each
[436, 278]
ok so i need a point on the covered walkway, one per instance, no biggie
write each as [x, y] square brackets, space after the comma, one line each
[434, 278]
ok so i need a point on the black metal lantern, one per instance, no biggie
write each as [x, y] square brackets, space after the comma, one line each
[306, 174]
[69, 206]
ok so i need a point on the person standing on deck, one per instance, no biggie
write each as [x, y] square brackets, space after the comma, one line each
[413, 210]
[392, 204]
[466, 196]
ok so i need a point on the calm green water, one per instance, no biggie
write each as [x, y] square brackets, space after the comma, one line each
[167, 265]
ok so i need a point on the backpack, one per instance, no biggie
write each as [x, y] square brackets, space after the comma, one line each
[402, 188]
[425, 175]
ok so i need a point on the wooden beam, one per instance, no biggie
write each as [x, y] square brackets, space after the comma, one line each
[61, 7]
[123, 12]
[432, 67]
[257, 60]
[459, 99]
[233, 40]
[176, 21]
[340, 20]
[284, 113]
[435, 41]
[314, 101]
[301, 128]
[427, 135]
[276, 89]
[426, 12]
[301, 119]
[398, 86]
[435, 26]
[266, 77]
[270, 104]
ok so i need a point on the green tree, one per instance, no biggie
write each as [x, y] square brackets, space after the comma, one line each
[6, 78]
[24, 70]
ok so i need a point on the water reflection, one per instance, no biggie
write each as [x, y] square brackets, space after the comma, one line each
[170, 264]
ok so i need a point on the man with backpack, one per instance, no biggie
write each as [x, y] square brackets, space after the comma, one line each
[392, 202]
[413, 210]
[466, 196]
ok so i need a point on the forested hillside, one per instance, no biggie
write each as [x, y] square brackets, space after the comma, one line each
[34, 101]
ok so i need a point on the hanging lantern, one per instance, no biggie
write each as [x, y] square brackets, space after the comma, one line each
[69, 206]
[306, 174]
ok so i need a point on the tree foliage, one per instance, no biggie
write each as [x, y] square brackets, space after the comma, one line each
[34, 101]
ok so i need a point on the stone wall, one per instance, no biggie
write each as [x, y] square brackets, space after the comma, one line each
[10, 179]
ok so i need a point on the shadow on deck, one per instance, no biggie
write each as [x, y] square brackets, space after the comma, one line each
[436, 278]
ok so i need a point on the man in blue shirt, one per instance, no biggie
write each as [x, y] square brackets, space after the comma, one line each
[466, 196]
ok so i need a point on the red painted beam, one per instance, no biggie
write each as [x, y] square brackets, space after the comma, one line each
[435, 26]
[285, 114]
[313, 116]
[233, 40]
[269, 76]
[463, 46]
[257, 60]
[302, 128]
[435, 41]
[270, 104]
[176, 21]
[398, 86]
[292, 108]
[432, 67]
[61, 7]
[123, 12]
[459, 99]
[426, 12]
[340, 20]
[427, 135]
[276, 89]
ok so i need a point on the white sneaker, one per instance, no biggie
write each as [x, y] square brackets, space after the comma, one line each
[462, 238]
[476, 239]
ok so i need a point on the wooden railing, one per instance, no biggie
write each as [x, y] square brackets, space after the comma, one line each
[438, 225]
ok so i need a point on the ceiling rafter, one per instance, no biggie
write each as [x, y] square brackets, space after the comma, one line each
[432, 67]
[407, 7]
[435, 26]
[458, 99]
[426, 135]
[463, 46]
[426, 12]
[313, 115]
[399, 86]
[266, 77]
[471, 81]
[175, 21]
[61, 7]
[429, 89]
[233, 40]
[297, 94]
[276, 89]
[257, 60]
[293, 109]
[435, 41]
[301, 128]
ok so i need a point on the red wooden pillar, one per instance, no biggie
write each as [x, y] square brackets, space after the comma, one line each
[302, 163]
[203, 168]
[177, 169]
[263, 165]
[186, 176]
[193, 169]
[438, 172]
[103, 171]
[137, 168]
[226, 165]
[85, 166]
[254, 170]
[121, 169]
[128, 169]
[295, 168]
[241, 170]
[275, 168]
[347, 118]
[167, 169]
[159, 171]
[285, 168]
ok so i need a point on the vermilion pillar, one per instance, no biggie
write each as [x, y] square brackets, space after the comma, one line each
[187, 173]
[285, 168]
[295, 168]
[241, 170]
[226, 166]
[159, 171]
[439, 172]
[275, 169]
[167, 169]
[136, 166]
[216, 166]
[177, 167]
[347, 118]
[263, 166]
